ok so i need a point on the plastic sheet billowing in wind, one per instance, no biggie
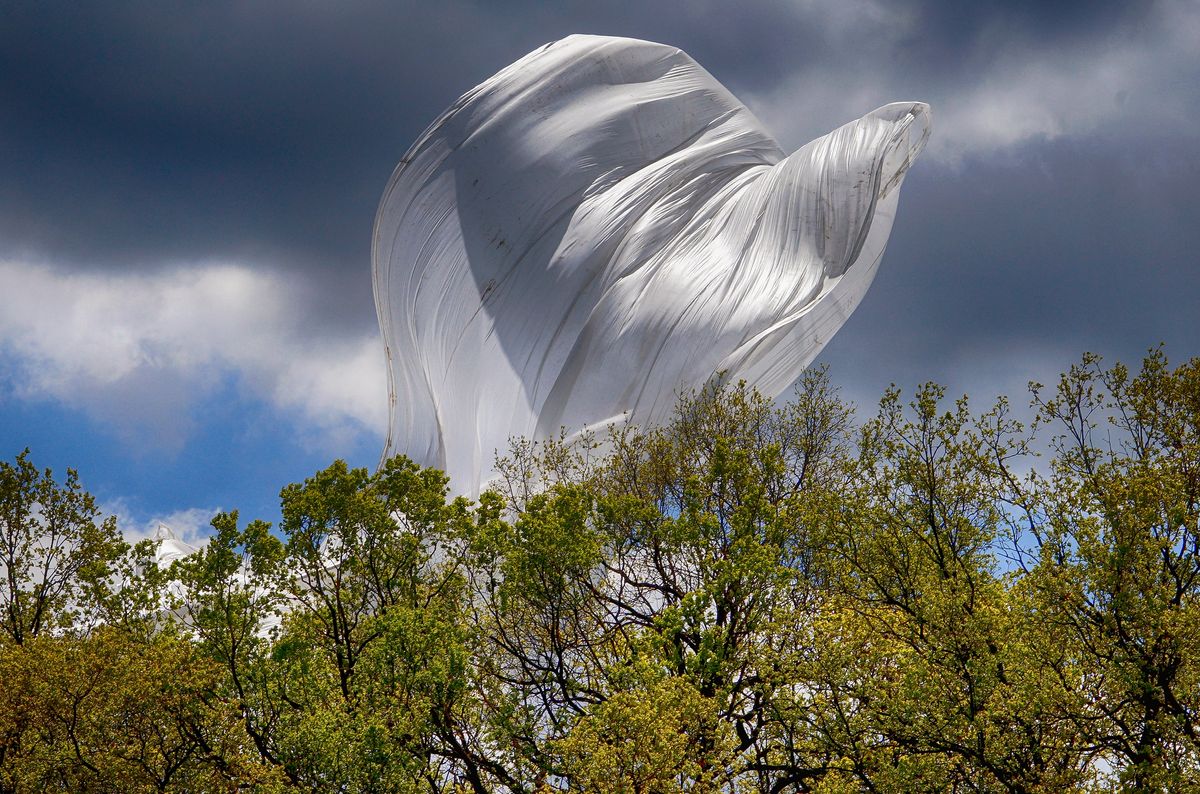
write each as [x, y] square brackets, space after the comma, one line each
[602, 225]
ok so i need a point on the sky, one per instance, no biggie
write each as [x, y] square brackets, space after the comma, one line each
[187, 193]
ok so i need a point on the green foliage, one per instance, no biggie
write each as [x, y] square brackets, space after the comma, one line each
[757, 597]
[54, 554]
[1119, 563]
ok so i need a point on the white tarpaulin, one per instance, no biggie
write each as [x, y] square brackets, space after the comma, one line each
[602, 224]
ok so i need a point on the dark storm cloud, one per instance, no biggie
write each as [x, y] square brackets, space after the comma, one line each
[138, 135]
[1088, 223]
[998, 273]
[953, 31]
[134, 133]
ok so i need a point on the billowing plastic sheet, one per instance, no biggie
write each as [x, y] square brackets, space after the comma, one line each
[602, 225]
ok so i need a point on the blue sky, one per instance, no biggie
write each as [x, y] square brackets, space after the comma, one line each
[187, 193]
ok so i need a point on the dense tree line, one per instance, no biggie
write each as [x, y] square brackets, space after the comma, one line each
[756, 598]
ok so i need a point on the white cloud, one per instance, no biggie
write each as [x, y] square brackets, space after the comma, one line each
[1012, 90]
[138, 351]
[1052, 92]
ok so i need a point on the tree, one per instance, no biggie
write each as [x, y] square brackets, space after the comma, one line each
[111, 712]
[755, 597]
[1118, 572]
[55, 551]
[926, 679]
[226, 596]
[100, 693]
[680, 569]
